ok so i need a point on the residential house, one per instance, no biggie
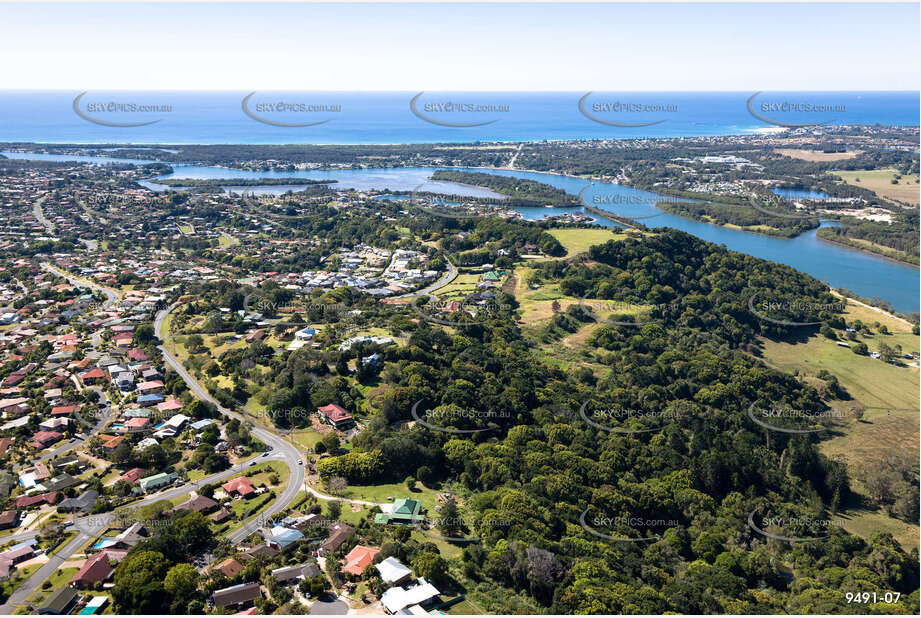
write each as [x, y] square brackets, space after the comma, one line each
[228, 567]
[338, 533]
[237, 596]
[96, 569]
[393, 571]
[286, 575]
[241, 486]
[336, 416]
[156, 481]
[397, 599]
[356, 560]
[133, 475]
[199, 504]
[404, 511]
[281, 537]
[44, 439]
[61, 601]
[84, 502]
[9, 519]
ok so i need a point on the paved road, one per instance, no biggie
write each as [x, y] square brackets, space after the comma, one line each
[111, 295]
[511, 163]
[329, 608]
[280, 447]
[447, 278]
[101, 421]
[90, 526]
[38, 214]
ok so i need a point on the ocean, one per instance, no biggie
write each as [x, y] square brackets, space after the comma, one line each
[99, 117]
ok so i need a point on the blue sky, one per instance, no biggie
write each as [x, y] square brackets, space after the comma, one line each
[413, 47]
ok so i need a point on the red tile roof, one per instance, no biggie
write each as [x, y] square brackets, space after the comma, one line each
[95, 569]
[360, 557]
[334, 413]
[25, 501]
[132, 475]
[242, 486]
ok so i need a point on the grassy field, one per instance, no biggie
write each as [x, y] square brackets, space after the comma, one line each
[305, 439]
[815, 155]
[57, 580]
[870, 381]
[888, 392]
[463, 285]
[578, 240]
[865, 523]
[381, 493]
[880, 182]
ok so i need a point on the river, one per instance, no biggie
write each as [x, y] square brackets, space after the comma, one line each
[867, 275]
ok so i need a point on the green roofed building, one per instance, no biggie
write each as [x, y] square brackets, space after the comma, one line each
[405, 511]
[157, 480]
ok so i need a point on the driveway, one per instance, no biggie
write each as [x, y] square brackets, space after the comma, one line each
[337, 607]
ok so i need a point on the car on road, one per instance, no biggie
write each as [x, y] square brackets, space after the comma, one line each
[265, 454]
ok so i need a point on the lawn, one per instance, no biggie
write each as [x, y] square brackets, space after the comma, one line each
[465, 607]
[20, 575]
[880, 182]
[816, 155]
[889, 393]
[865, 523]
[870, 381]
[380, 493]
[57, 580]
[305, 439]
[463, 284]
[578, 240]
[275, 467]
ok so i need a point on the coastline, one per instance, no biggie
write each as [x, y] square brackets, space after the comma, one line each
[867, 252]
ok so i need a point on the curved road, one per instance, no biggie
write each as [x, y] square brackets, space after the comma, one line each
[111, 294]
[89, 527]
[40, 216]
[447, 278]
[281, 448]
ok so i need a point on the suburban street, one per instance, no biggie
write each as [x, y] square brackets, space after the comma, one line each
[445, 279]
[40, 216]
[88, 527]
[280, 448]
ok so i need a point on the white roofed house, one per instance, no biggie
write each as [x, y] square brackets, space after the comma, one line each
[393, 571]
[396, 599]
[177, 421]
